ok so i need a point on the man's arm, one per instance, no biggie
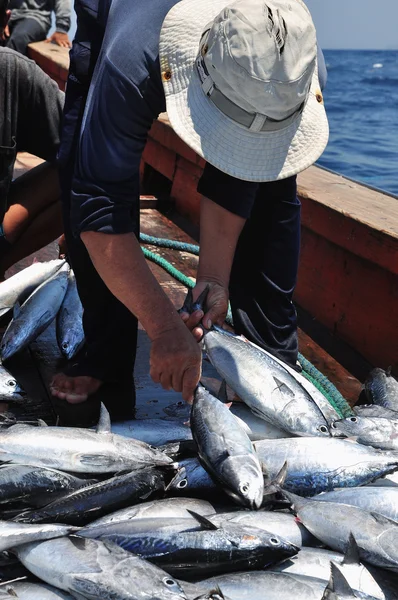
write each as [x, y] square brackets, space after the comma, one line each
[62, 11]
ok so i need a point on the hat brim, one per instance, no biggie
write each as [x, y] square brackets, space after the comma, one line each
[227, 145]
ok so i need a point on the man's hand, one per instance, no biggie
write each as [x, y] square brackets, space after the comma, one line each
[62, 249]
[6, 33]
[215, 309]
[176, 362]
[61, 39]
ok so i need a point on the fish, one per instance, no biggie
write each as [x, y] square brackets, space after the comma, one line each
[382, 388]
[226, 450]
[14, 534]
[36, 485]
[192, 553]
[93, 569]
[85, 504]
[315, 465]
[371, 431]
[281, 524]
[383, 500]
[387, 481]
[35, 314]
[25, 590]
[78, 450]
[18, 287]
[266, 387]
[252, 585]
[334, 523]
[70, 332]
[10, 390]
[175, 508]
[315, 562]
[215, 594]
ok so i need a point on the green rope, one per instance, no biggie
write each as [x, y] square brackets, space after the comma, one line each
[317, 378]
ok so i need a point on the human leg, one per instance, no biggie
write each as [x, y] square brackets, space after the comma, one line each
[23, 32]
[264, 272]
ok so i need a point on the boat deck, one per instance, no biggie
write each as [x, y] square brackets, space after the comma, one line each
[34, 368]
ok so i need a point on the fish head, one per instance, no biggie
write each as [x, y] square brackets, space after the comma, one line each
[72, 343]
[258, 541]
[246, 481]
[363, 427]
[179, 410]
[10, 390]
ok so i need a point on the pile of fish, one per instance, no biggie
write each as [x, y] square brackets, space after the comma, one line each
[35, 297]
[275, 497]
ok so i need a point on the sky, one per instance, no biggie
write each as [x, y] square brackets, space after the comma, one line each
[348, 24]
[356, 24]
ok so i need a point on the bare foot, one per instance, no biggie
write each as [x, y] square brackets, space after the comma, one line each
[74, 389]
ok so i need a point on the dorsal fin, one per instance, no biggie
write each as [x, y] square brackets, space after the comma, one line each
[205, 523]
[201, 299]
[338, 584]
[351, 556]
[104, 423]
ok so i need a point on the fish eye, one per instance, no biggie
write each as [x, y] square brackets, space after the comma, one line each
[353, 419]
[244, 488]
[11, 382]
[323, 429]
[65, 345]
[274, 541]
[182, 484]
[169, 582]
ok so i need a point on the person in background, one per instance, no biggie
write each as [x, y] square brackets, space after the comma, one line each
[31, 21]
[31, 107]
[240, 85]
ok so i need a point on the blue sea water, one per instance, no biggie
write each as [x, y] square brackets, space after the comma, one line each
[361, 99]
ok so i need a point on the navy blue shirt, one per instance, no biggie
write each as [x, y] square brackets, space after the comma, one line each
[125, 96]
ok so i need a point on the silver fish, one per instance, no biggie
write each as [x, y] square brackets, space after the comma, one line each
[175, 508]
[315, 465]
[18, 287]
[35, 315]
[253, 585]
[77, 450]
[267, 388]
[382, 388]
[24, 590]
[383, 500]
[387, 481]
[333, 524]
[372, 431]
[315, 562]
[70, 333]
[338, 587]
[226, 450]
[15, 534]
[192, 553]
[10, 390]
[374, 410]
[93, 569]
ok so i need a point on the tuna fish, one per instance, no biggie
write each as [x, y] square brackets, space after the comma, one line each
[383, 500]
[372, 431]
[10, 390]
[70, 333]
[35, 315]
[226, 450]
[94, 569]
[15, 534]
[18, 287]
[266, 387]
[77, 450]
[24, 590]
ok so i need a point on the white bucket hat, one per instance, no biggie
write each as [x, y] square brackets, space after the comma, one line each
[241, 85]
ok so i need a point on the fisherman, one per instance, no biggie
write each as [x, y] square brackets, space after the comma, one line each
[31, 111]
[241, 87]
[31, 21]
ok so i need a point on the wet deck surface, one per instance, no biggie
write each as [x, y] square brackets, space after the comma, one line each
[34, 368]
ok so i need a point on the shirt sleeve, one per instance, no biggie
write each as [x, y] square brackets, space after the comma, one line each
[39, 121]
[105, 189]
[62, 9]
[235, 195]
